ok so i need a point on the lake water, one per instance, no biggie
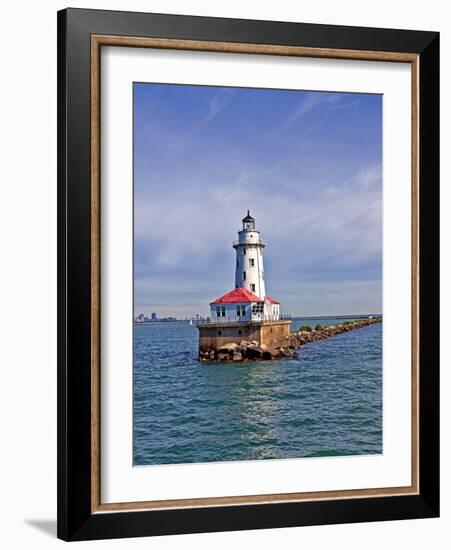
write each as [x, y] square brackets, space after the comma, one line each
[328, 402]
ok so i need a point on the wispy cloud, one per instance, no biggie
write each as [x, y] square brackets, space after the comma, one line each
[218, 104]
[310, 102]
[369, 176]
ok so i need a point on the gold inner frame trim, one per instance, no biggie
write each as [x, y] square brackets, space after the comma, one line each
[97, 41]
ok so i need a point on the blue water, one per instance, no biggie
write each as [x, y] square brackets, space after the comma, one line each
[328, 402]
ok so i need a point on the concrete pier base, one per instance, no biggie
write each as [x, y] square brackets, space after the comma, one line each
[273, 334]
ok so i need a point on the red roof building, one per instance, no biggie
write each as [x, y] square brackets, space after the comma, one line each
[242, 296]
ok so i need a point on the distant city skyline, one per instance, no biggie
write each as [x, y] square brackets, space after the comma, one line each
[308, 165]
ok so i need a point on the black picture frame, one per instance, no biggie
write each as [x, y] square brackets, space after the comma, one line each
[75, 518]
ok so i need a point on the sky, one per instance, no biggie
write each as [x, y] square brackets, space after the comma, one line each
[308, 166]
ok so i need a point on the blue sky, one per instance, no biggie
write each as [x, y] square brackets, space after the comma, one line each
[308, 165]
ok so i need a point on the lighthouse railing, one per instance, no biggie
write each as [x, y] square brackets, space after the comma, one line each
[243, 320]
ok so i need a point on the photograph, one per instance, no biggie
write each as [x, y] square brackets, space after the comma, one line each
[257, 261]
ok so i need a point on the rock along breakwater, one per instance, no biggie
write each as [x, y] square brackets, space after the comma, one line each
[253, 351]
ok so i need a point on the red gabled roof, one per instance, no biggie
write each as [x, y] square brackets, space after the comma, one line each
[240, 295]
[237, 295]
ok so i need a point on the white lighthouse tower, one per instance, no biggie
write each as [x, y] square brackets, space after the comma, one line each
[248, 301]
[249, 272]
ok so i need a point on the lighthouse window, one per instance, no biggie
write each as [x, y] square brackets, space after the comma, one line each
[240, 311]
[220, 311]
[252, 287]
[238, 263]
[244, 275]
[251, 262]
[244, 251]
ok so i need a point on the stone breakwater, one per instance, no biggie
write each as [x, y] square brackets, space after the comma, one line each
[253, 351]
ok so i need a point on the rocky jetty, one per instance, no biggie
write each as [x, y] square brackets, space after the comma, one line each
[253, 351]
[306, 335]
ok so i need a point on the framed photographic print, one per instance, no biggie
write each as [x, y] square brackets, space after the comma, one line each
[248, 274]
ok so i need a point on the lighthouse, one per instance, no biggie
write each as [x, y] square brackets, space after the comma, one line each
[249, 272]
[246, 312]
[248, 301]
